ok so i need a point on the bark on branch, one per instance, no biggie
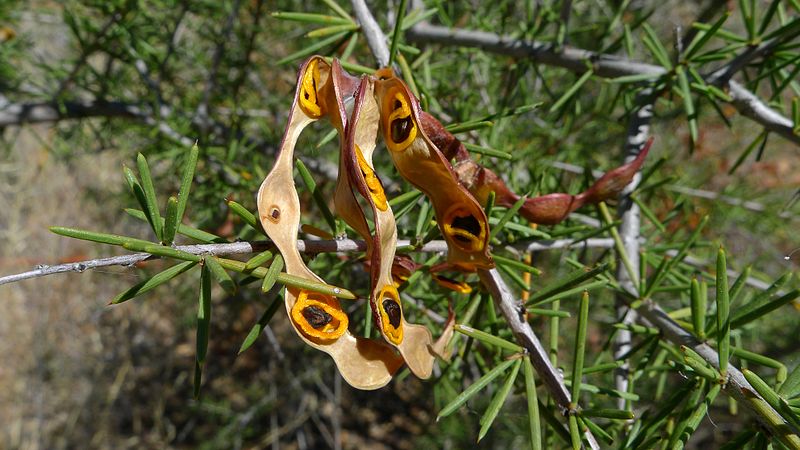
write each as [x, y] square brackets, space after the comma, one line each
[603, 65]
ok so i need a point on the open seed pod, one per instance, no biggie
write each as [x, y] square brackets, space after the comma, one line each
[461, 219]
[414, 342]
[548, 209]
[318, 319]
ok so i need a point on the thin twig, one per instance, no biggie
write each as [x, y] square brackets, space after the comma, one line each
[723, 75]
[372, 32]
[216, 59]
[603, 65]
[38, 112]
[87, 52]
[629, 229]
[514, 313]
[736, 386]
[241, 248]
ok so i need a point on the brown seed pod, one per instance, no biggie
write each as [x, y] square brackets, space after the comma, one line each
[414, 342]
[548, 209]
[319, 320]
[461, 219]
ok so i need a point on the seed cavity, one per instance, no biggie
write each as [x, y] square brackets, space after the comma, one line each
[469, 224]
[316, 316]
[393, 312]
[401, 128]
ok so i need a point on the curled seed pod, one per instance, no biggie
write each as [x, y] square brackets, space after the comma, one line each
[548, 209]
[318, 320]
[414, 342]
[461, 219]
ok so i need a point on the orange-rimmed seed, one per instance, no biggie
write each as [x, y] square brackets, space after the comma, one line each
[391, 314]
[319, 316]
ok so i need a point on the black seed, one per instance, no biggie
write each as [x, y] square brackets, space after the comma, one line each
[393, 311]
[275, 213]
[469, 224]
[398, 104]
[401, 129]
[316, 316]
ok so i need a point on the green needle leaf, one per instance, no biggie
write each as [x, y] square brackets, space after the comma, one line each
[398, 27]
[165, 252]
[567, 282]
[571, 91]
[487, 151]
[488, 338]
[519, 265]
[337, 9]
[791, 387]
[723, 313]
[255, 332]
[153, 282]
[311, 18]
[457, 128]
[272, 273]
[313, 48]
[103, 238]
[170, 221]
[534, 422]
[258, 260]
[511, 212]
[704, 35]
[580, 346]
[574, 432]
[186, 183]
[333, 29]
[248, 217]
[221, 275]
[651, 41]
[698, 364]
[688, 104]
[184, 230]
[151, 204]
[498, 400]
[616, 414]
[698, 305]
[203, 313]
[474, 389]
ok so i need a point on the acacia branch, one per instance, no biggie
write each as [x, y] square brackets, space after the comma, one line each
[629, 229]
[514, 313]
[304, 246]
[40, 112]
[372, 32]
[736, 386]
[603, 65]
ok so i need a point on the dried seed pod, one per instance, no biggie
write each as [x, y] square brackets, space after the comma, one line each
[414, 342]
[548, 209]
[318, 319]
[461, 219]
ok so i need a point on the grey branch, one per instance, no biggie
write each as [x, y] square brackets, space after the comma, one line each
[38, 112]
[737, 386]
[513, 311]
[22, 113]
[372, 32]
[603, 65]
[242, 248]
[630, 216]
